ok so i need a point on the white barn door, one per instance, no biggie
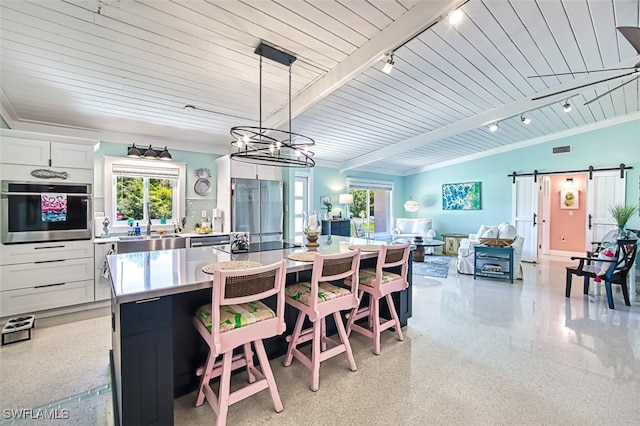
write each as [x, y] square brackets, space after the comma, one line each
[524, 214]
[605, 189]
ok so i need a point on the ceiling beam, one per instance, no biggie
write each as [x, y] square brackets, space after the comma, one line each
[569, 89]
[414, 21]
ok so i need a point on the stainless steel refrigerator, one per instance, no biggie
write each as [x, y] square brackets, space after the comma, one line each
[257, 207]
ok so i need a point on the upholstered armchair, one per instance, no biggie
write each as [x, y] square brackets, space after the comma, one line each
[466, 252]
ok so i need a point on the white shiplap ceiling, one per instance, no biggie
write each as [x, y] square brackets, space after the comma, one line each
[122, 71]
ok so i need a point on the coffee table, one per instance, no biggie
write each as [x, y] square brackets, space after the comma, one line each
[418, 252]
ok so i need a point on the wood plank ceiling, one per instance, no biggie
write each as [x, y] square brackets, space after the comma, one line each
[124, 70]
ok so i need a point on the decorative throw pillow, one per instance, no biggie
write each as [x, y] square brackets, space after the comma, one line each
[507, 231]
[421, 227]
[490, 232]
[481, 230]
[405, 226]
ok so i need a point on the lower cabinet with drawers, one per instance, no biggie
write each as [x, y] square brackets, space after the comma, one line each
[40, 276]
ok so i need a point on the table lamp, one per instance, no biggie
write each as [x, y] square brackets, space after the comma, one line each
[346, 199]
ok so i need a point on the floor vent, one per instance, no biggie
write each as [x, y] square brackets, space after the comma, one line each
[561, 149]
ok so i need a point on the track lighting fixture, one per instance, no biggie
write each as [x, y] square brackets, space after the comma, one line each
[525, 120]
[493, 127]
[455, 17]
[567, 107]
[389, 65]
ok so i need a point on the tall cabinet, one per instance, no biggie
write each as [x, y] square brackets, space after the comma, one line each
[45, 275]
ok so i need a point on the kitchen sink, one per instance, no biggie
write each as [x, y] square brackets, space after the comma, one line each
[138, 243]
[148, 237]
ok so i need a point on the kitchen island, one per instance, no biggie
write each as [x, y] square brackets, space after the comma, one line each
[155, 347]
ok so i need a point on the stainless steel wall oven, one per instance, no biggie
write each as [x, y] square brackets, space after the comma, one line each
[40, 212]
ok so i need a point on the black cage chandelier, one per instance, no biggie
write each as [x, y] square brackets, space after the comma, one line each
[270, 146]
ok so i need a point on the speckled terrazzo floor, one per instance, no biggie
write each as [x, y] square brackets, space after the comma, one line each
[475, 352]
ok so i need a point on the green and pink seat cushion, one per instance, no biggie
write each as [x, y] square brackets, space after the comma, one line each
[236, 316]
[367, 276]
[302, 292]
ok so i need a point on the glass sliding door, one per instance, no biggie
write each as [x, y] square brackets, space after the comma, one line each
[371, 208]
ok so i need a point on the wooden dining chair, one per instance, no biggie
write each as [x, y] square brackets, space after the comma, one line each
[617, 272]
[237, 317]
[379, 283]
[318, 299]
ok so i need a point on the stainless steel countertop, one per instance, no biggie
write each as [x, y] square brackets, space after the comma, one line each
[140, 276]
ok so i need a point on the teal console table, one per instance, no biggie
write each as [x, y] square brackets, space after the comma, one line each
[494, 262]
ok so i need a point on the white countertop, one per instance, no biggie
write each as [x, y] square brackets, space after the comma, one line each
[139, 276]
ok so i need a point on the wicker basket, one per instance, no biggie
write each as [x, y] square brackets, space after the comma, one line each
[496, 242]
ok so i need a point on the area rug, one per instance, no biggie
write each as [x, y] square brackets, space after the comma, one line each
[433, 266]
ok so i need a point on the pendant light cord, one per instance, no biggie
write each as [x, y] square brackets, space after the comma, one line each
[260, 107]
[290, 103]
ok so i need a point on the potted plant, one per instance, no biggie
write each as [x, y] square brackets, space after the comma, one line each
[621, 214]
[327, 205]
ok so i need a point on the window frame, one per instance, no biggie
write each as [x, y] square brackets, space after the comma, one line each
[110, 202]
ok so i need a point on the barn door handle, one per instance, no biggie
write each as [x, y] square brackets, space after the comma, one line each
[534, 219]
[590, 221]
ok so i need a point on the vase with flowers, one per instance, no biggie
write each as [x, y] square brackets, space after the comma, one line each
[328, 206]
[621, 213]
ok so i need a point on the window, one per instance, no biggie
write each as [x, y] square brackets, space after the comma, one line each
[142, 190]
[301, 204]
[132, 194]
[371, 208]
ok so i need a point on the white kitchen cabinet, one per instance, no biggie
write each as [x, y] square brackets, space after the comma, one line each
[71, 155]
[238, 169]
[38, 150]
[49, 272]
[40, 276]
[102, 284]
[12, 254]
[39, 298]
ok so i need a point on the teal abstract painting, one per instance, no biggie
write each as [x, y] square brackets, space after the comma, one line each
[461, 196]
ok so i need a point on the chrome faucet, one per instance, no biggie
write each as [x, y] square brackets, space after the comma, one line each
[148, 205]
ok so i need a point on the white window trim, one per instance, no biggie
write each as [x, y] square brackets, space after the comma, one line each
[110, 196]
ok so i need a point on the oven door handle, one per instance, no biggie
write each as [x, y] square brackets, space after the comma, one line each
[38, 193]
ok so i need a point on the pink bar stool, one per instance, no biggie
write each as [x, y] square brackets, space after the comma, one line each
[237, 317]
[317, 300]
[379, 283]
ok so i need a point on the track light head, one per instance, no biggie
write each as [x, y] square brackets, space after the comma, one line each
[388, 66]
[493, 127]
[455, 17]
[525, 120]
[567, 107]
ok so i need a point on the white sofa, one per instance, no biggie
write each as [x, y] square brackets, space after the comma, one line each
[411, 228]
[505, 230]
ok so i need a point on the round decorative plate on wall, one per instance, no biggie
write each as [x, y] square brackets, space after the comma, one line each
[202, 186]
